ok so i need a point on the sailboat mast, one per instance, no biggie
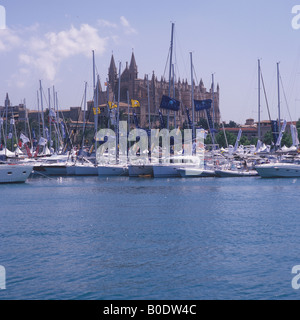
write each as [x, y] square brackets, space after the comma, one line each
[148, 93]
[170, 72]
[94, 96]
[6, 118]
[173, 72]
[42, 108]
[259, 104]
[49, 120]
[278, 88]
[193, 104]
[84, 115]
[213, 100]
[118, 110]
[128, 112]
[39, 116]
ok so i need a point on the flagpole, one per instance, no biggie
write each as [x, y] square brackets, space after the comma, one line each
[84, 114]
[170, 71]
[49, 119]
[278, 86]
[107, 97]
[148, 92]
[128, 112]
[193, 104]
[55, 121]
[173, 71]
[259, 104]
[118, 111]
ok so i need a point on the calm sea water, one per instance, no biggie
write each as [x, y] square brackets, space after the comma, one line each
[122, 238]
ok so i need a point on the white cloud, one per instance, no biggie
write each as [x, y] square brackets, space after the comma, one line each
[41, 55]
[9, 40]
[46, 53]
[106, 24]
[127, 27]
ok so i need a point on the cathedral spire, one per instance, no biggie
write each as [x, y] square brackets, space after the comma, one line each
[112, 68]
[133, 67]
[7, 101]
[112, 72]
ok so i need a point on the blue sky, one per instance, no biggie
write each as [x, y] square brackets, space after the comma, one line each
[53, 40]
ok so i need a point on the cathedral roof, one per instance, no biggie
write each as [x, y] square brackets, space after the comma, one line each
[133, 65]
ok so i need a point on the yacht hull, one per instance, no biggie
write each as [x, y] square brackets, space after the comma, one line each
[283, 170]
[15, 173]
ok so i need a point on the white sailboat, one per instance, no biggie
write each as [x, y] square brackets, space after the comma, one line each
[140, 170]
[170, 170]
[196, 172]
[55, 165]
[85, 168]
[113, 170]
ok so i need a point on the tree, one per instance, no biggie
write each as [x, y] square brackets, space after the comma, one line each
[203, 123]
[220, 138]
[244, 141]
[286, 140]
[268, 138]
[231, 124]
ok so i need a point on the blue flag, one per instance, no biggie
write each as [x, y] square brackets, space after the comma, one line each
[202, 104]
[275, 130]
[169, 103]
[63, 129]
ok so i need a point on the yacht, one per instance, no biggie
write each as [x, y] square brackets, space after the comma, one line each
[278, 170]
[14, 173]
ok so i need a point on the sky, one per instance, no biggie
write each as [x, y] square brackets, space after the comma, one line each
[52, 41]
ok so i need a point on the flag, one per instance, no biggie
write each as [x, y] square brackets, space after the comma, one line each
[112, 105]
[28, 151]
[275, 132]
[135, 103]
[294, 133]
[63, 129]
[278, 142]
[237, 140]
[52, 113]
[24, 138]
[43, 141]
[47, 133]
[202, 104]
[96, 111]
[169, 103]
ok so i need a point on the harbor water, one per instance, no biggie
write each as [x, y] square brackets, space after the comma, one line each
[125, 238]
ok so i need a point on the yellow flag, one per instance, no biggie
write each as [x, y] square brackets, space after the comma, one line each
[96, 111]
[112, 105]
[135, 103]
